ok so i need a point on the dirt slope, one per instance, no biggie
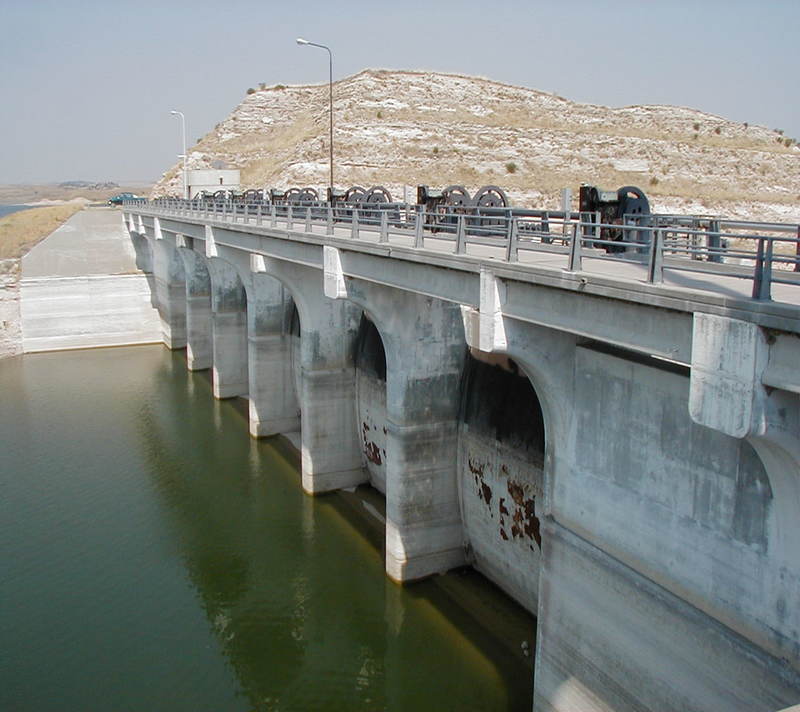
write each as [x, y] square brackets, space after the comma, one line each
[401, 128]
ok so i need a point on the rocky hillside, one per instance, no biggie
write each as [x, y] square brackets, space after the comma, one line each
[403, 128]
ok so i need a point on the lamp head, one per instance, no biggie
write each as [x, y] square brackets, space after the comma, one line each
[301, 41]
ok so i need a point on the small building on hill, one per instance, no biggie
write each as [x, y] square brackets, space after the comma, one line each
[211, 180]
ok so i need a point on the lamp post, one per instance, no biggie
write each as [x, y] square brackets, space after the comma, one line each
[183, 134]
[301, 41]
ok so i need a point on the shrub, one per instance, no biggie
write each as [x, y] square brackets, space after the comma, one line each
[511, 167]
[380, 114]
[435, 150]
[279, 87]
[251, 90]
[718, 130]
[694, 136]
[654, 181]
[696, 126]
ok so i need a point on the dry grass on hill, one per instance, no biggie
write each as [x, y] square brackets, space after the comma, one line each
[402, 128]
[22, 230]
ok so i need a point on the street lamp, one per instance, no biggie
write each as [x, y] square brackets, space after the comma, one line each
[301, 41]
[183, 134]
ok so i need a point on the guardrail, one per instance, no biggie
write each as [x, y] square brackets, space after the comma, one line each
[763, 253]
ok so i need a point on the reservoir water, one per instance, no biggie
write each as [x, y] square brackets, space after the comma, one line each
[8, 209]
[155, 557]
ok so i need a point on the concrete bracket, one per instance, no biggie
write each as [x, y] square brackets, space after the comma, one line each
[728, 359]
[157, 229]
[180, 240]
[335, 286]
[257, 264]
[492, 326]
[472, 326]
[211, 245]
[141, 225]
[131, 224]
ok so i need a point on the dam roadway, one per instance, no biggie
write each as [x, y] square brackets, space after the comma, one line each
[650, 521]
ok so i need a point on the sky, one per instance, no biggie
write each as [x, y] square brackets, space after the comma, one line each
[86, 87]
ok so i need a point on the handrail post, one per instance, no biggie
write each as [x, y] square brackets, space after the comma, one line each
[329, 225]
[546, 239]
[713, 242]
[273, 215]
[308, 218]
[461, 236]
[259, 215]
[512, 251]
[418, 227]
[354, 224]
[289, 218]
[762, 279]
[655, 270]
[575, 262]
[797, 251]
[384, 237]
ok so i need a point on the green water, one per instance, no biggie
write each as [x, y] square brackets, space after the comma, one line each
[154, 557]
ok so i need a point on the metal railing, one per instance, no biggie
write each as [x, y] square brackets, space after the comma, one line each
[763, 253]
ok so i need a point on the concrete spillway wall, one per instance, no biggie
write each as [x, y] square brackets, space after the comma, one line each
[78, 288]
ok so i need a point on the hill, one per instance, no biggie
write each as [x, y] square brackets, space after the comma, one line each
[399, 128]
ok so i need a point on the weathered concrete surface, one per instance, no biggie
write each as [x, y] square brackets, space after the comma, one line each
[423, 339]
[728, 358]
[10, 320]
[80, 287]
[86, 312]
[228, 329]
[199, 331]
[500, 471]
[170, 292]
[611, 640]
[330, 453]
[684, 524]
[274, 407]
[371, 402]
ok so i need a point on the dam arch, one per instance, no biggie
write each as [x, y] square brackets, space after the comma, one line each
[501, 454]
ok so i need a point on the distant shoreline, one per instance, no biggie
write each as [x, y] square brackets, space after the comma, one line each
[13, 208]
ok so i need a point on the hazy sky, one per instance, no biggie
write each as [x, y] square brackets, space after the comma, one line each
[86, 87]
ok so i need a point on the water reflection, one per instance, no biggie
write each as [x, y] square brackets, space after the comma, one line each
[292, 593]
[297, 599]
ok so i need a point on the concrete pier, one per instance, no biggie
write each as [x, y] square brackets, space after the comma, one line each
[199, 314]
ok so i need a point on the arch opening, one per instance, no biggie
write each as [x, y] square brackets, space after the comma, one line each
[370, 362]
[501, 454]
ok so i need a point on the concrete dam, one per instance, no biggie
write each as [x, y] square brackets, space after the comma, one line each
[614, 443]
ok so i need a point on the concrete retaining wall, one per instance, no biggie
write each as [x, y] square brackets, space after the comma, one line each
[84, 312]
[80, 288]
[10, 323]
